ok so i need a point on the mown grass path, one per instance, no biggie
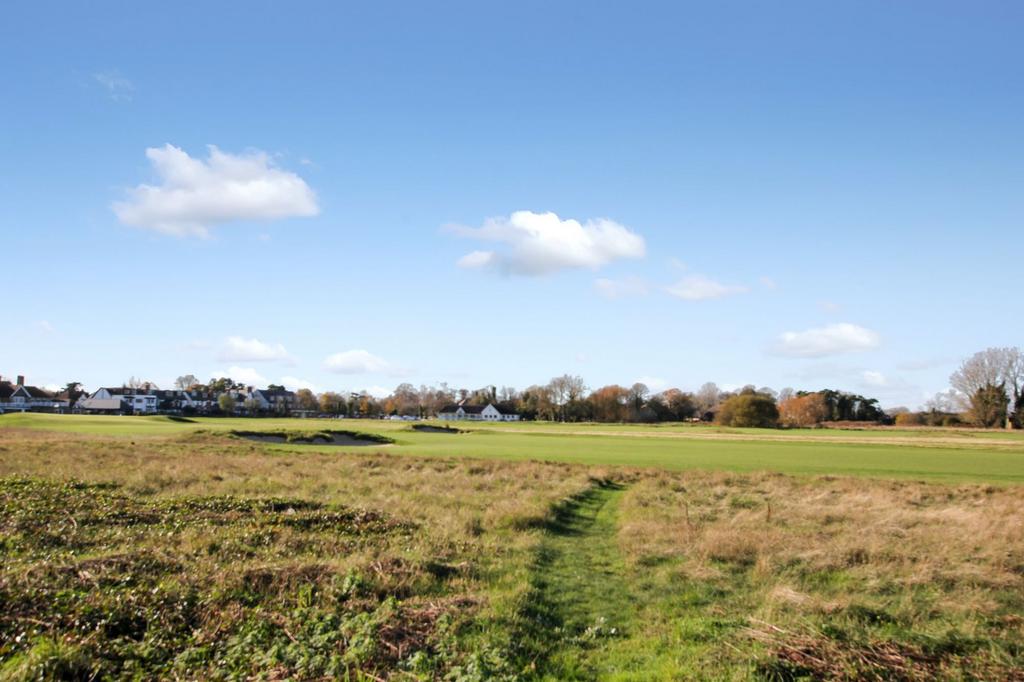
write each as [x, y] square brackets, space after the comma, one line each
[583, 597]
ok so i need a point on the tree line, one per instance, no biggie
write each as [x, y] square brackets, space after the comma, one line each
[987, 390]
[567, 398]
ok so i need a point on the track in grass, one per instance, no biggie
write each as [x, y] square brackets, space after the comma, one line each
[582, 597]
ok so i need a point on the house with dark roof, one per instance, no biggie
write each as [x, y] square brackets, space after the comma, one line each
[20, 397]
[477, 413]
[276, 400]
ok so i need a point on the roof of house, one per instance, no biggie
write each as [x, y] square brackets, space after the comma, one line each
[7, 389]
[468, 409]
[101, 404]
[37, 392]
[128, 390]
[266, 392]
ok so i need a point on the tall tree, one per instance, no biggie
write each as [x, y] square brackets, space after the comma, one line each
[332, 403]
[978, 377]
[989, 406]
[681, 405]
[73, 389]
[638, 393]
[805, 410]
[305, 400]
[707, 396]
[564, 392]
[608, 403]
[185, 382]
[991, 367]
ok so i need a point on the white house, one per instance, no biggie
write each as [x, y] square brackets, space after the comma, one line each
[477, 413]
[100, 405]
[136, 401]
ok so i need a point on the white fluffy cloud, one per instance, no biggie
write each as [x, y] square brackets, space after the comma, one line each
[700, 288]
[245, 375]
[542, 243]
[295, 383]
[238, 349]
[194, 195]
[834, 339]
[356, 362]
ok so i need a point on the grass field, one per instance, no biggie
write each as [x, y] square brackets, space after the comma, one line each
[153, 548]
[953, 455]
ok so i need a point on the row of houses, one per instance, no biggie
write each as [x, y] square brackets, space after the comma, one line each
[125, 400]
[20, 397]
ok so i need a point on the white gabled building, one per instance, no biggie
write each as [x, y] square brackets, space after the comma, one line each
[134, 401]
[477, 413]
[21, 398]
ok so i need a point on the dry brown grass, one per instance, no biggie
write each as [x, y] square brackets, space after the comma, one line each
[459, 499]
[916, 533]
[879, 561]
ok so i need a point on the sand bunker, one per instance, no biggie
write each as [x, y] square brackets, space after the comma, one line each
[430, 428]
[341, 438]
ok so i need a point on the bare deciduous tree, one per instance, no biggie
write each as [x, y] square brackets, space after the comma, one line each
[707, 396]
[638, 393]
[987, 370]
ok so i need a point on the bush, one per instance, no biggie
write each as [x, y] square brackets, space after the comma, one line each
[803, 410]
[749, 409]
[909, 419]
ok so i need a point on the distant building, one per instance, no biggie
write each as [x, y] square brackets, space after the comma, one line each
[89, 405]
[479, 413]
[136, 400]
[19, 397]
[276, 400]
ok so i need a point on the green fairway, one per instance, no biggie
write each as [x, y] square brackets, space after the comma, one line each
[952, 455]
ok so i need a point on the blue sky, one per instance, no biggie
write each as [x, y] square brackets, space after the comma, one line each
[794, 194]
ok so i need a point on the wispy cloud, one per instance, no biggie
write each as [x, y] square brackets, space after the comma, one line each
[655, 384]
[620, 288]
[356, 361]
[874, 378]
[700, 288]
[118, 88]
[834, 339]
[542, 243]
[194, 195]
[245, 375]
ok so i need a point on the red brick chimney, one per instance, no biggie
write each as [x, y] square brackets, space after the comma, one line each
[21, 380]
